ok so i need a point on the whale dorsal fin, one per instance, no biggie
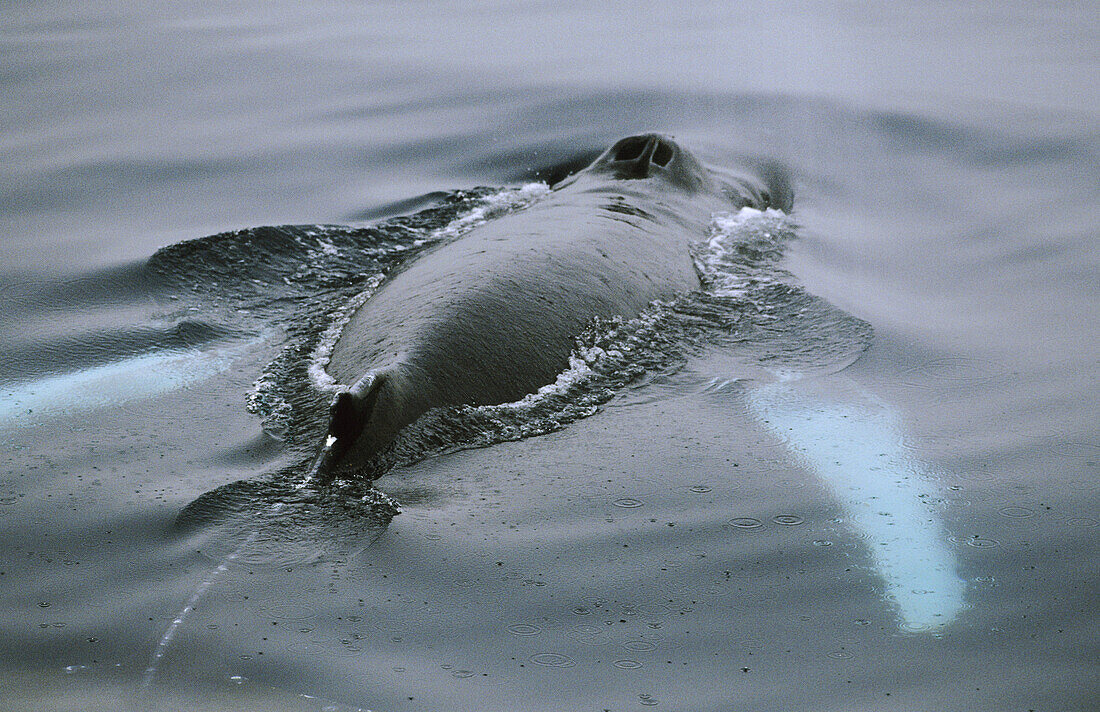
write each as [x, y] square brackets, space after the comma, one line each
[351, 409]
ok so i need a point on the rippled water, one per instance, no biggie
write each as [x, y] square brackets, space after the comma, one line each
[856, 471]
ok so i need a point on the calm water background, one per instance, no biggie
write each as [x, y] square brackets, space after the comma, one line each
[687, 547]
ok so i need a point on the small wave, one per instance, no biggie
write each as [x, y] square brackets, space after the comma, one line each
[268, 270]
[71, 350]
[742, 251]
[310, 525]
[493, 206]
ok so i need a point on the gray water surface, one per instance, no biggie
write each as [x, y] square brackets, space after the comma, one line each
[774, 521]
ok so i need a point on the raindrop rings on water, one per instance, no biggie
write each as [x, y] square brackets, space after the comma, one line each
[524, 629]
[627, 664]
[556, 660]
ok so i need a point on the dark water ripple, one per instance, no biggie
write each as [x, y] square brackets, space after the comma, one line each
[72, 352]
[270, 521]
[265, 267]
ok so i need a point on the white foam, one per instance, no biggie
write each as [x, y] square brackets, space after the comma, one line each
[492, 206]
[322, 353]
[721, 267]
[583, 364]
[579, 370]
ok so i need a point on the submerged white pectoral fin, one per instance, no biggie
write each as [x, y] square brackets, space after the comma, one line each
[109, 384]
[856, 448]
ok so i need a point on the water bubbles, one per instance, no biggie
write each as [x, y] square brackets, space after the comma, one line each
[627, 664]
[648, 700]
[1016, 512]
[745, 522]
[524, 629]
[639, 646]
[822, 542]
[462, 674]
[554, 660]
[788, 520]
[628, 502]
[699, 489]
[1088, 522]
[839, 655]
[982, 542]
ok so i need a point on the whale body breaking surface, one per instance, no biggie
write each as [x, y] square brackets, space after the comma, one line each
[493, 316]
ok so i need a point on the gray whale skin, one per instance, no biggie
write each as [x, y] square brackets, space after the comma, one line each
[493, 315]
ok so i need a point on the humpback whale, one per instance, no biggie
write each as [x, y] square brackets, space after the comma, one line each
[493, 315]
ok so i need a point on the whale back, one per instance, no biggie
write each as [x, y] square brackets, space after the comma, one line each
[493, 315]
